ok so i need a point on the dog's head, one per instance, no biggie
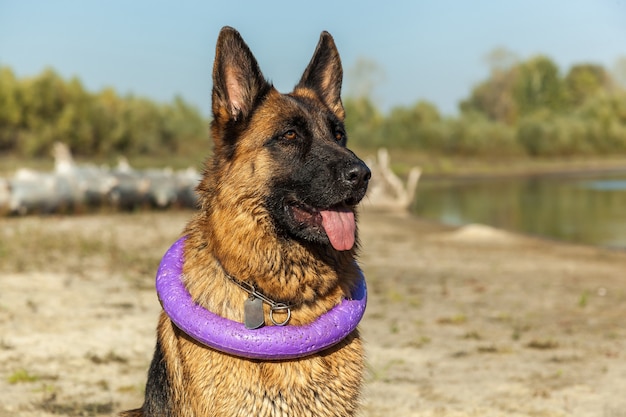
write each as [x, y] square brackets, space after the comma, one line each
[285, 154]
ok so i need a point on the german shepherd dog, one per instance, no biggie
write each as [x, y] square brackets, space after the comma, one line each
[277, 212]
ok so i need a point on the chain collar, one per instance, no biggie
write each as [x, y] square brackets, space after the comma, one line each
[254, 294]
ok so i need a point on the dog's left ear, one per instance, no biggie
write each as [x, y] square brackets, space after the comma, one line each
[237, 79]
[324, 74]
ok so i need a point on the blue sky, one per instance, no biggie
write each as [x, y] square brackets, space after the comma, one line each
[428, 50]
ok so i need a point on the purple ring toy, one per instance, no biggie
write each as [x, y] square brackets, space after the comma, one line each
[267, 343]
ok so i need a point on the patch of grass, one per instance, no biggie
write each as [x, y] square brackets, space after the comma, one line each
[376, 316]
[103, 384]
[502, 317]
[395, 327]
[110, 357]
[419, 342]
[37, 248]
[583, 300]
[472, 335]
[566, 359]
[43, 243]
[487, 349]
[75, 409]
[382, 373]
[453, 320]
[415, 302]
[129, 389]
[395, 296]
[22, 376]
[612, 335]
[493, 349]
[49, 389]
[542, 344]
[518, 330]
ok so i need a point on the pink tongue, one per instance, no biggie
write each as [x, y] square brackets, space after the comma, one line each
[340, 228]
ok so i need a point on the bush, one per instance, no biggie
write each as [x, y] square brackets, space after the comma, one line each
[36, 112]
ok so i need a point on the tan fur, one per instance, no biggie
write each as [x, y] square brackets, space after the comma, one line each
[233, 234]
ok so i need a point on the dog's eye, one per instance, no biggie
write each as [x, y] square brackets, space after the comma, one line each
[290, 135]
[339, 135]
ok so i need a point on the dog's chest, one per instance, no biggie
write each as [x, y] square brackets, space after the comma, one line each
[323, 385]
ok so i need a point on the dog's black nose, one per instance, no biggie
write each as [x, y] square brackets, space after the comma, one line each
[356, 174]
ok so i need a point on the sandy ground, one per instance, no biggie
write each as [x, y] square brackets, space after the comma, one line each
[460, 322]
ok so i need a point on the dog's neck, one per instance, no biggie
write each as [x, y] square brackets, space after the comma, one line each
[269, 343]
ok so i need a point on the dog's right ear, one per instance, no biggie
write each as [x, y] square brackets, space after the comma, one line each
[324, 73]
[237, 80]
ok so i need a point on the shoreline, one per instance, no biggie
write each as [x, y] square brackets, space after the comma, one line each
[573, 172]
[445, 167]
[547, 239]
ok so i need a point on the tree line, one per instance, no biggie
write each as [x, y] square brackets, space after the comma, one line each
[36, 112]
[523, 108]
[526, 108]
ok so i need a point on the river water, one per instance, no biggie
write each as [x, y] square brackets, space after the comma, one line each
[587, 209]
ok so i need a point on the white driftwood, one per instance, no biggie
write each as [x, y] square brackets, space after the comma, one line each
[387, 191]
[71, 186]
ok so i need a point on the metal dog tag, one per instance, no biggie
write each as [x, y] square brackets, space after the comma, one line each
[253, 316]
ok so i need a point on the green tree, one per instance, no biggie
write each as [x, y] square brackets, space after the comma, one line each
[494, 98]
[413, 126]
[538, 86]
[183, 127]
[74, 123]
[10, 109]
[512, 92]
[36, 112]
[363, 122]
[475, 135]
[605, 114]
[585, 81]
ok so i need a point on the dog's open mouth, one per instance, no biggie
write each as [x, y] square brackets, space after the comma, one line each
[337, 222]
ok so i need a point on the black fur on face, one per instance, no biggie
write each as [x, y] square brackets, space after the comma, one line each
[319, 173]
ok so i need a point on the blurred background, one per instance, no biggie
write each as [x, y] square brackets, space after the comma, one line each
[513, 112]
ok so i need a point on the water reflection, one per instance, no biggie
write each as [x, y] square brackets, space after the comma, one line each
[582, 210]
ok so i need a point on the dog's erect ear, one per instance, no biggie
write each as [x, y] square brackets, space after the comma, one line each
[324, 74]
[237, 79]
